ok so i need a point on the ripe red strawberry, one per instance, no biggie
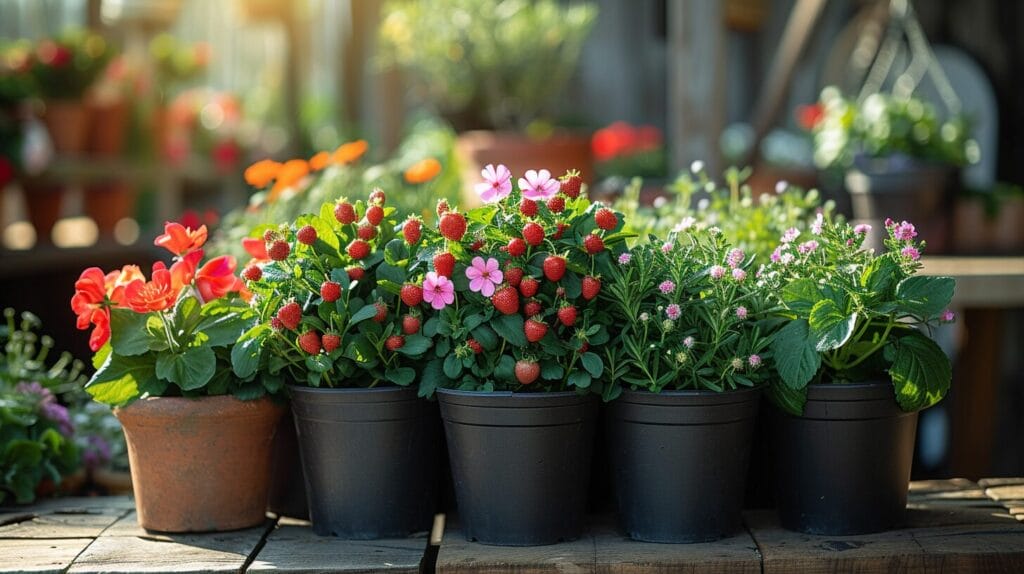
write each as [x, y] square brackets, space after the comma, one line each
[355, 273]
[375, 214]
[377, 197]
[331, 341]
[270, 236]
[532, 307]
[310, 342]
[452, 226]
[253, 273]
[276, 324]
[475, 346]
[410, 324]
[528, 207]
[366, 232]
[559, 231]
[533, 234]
[477, 244]
[554, 267]
[279, 250]
[527, 371]
[571, 184]
[513, 275]
[358, 249]
[556, 204]
[567, 315]
[516, 247]
[345, 213]
[382, 312]
[506, 300]
[444, 264]
[593, 244]
[528, 286]
[605, 219]
[584, 347]
[412, 231]
[290, 315]
[330, 291]
[535, 330]
[442, 207]
[591, 287]
[306, 235]
[411, 294]
[394, 342]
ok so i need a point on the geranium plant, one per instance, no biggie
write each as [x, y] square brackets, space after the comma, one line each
[170, 335]
[689, 316]
[513, 286]
[65, 67]
[337, 299]
[854, 315]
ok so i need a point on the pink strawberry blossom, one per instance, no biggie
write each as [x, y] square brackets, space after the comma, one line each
[484, 275]
[539, 185]
[497, 184]
[438, 290]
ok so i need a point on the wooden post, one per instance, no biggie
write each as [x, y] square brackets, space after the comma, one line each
[696, 82]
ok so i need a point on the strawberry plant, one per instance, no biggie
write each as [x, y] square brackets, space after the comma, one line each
[689, 316]
[341, 308]
[507, 285]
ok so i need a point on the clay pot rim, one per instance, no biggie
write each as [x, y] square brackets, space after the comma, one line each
[220, 406]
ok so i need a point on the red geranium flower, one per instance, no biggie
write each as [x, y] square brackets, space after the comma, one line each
[179, 239]
[156, 295]
[90, 305]
[217, 278]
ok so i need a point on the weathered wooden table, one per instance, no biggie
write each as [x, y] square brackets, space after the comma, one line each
[954, 526]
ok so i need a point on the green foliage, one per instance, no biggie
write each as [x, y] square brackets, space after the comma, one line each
[63, 68]
[688, 316]
[853, 315]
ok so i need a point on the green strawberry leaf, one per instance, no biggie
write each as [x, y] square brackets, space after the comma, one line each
[796, 359]
[920, 372]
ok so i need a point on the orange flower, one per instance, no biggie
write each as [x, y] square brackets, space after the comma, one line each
[350, 152]
[118, 281]
[217, 278]
[423, 171]
[291, 173]
[90, 305]
[257, 248]
[261, 173]
[156, 295]
[320, 161]
[183, 270]
[179, 239]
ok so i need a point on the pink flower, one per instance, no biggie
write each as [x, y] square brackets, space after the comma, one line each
[889, 222]
[754, 360]
[688, 342]
[777, 254]
[910, 253]
[735, 257]
[904, 231]
[717, 272]
[741, 312]
[807, 247]
[625, 258]
[790, 234]
[947, 316]
[497, 183]
[819, 220]
[484, 275]
[438, 290]
[667, 287]
[786, 258]
[539, 185]
[666, 247]
[673, 311]
[862, 229]
[739, 275]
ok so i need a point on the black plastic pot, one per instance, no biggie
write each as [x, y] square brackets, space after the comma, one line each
[369, 457]
[680, 460]
[844, 466]
[520, 463]
[287, 487]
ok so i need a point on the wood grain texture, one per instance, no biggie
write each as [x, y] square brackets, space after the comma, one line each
[458, 555]
[125, 547]
[295, 548]
[39, 556]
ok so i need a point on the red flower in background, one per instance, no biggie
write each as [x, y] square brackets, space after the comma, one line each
[179, 239]
[226, 155]
[621, 138]
[53, 54]
[808, 117]
[217, 278]
[6, 172]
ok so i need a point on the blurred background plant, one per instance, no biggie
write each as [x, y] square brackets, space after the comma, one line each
[64, 67]
[624, 150]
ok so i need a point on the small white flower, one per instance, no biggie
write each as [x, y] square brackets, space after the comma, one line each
[696, 167]
[781, 186]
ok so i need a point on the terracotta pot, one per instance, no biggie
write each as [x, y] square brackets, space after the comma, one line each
[109, 203]
[200, 465]
[559, 153]
[67, 121]
[43, 202]
[108, 126]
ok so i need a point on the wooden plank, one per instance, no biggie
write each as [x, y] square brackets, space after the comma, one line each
[617, 554]
[293, 547]
[458, 555]
[125, 547]
[39, 556]
[1005, 481]
[65, 518]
